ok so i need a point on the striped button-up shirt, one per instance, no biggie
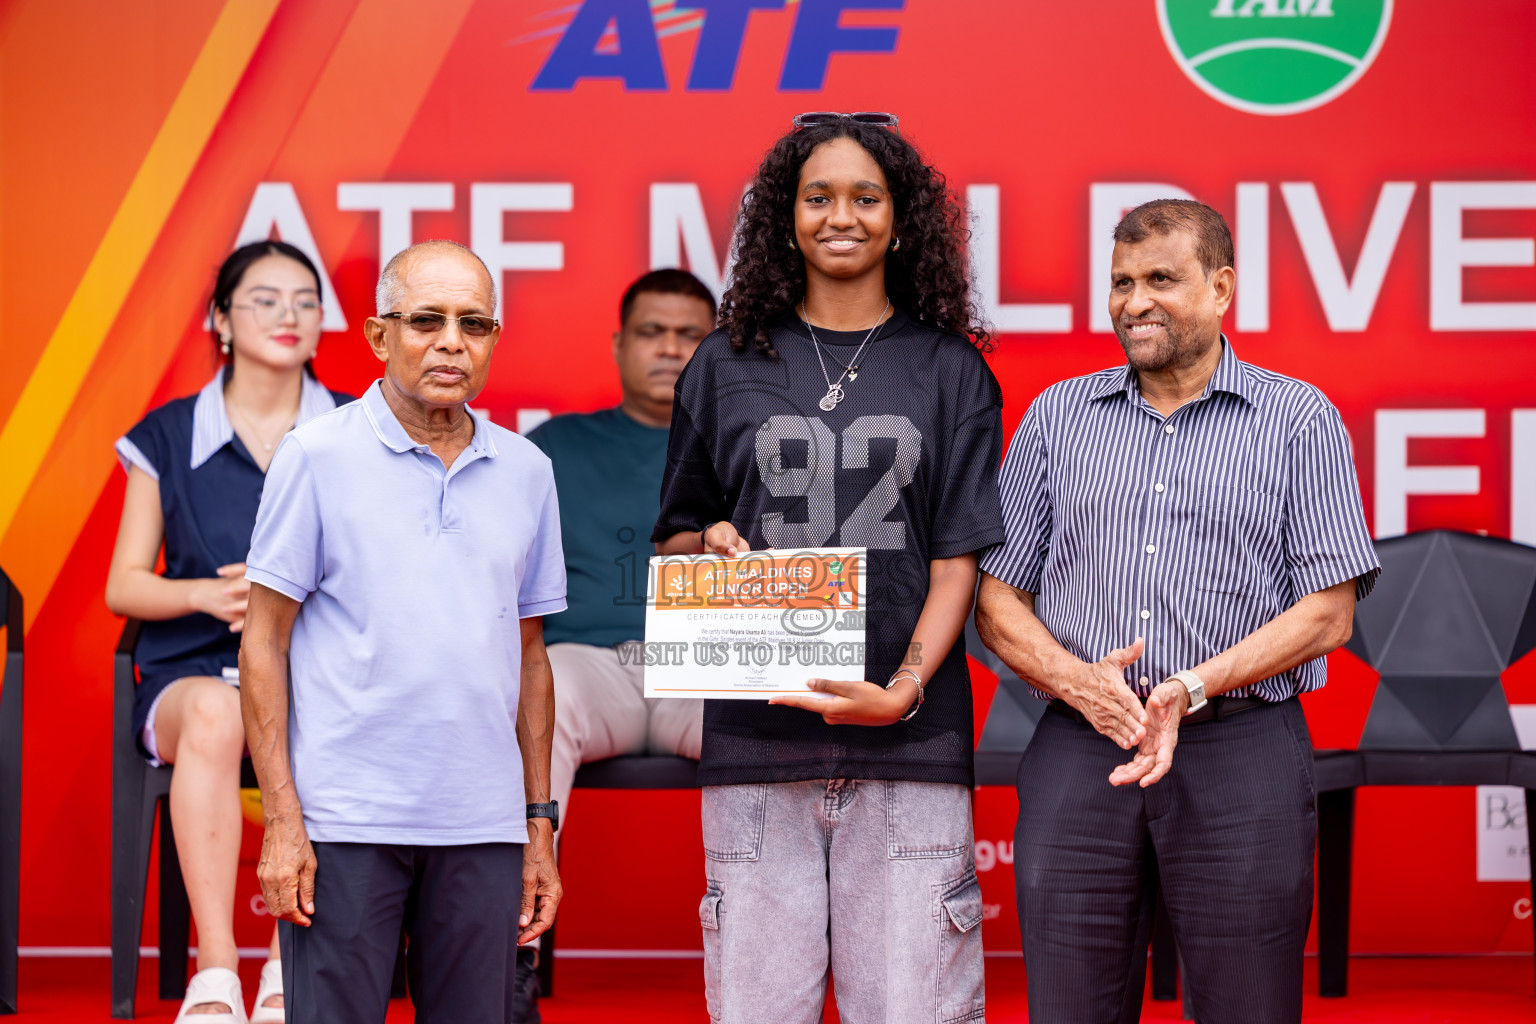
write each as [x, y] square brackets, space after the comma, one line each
[1190, 530]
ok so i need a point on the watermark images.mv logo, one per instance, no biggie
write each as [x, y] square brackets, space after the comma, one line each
[1274, 56]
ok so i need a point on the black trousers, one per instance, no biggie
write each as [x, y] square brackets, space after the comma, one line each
[458, 906]
[1230, 833]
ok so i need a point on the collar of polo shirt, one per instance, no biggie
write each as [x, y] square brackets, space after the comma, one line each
[382, 418]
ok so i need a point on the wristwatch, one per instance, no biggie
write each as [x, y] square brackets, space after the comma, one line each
[1196, 689]
[550, 810]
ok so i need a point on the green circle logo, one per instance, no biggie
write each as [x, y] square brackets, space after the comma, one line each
[1274, 56]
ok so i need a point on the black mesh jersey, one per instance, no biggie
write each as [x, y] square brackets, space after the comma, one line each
[905, 466]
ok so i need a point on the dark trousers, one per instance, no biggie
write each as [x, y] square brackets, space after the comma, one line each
[458, 906]
[1230, 833]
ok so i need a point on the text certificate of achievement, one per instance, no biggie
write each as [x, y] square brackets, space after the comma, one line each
[754, 626]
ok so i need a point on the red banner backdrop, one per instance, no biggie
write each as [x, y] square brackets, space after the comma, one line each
[1378, 164]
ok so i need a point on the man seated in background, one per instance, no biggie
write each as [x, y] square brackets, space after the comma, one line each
[608, 467]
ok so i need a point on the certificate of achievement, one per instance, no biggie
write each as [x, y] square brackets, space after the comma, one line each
[754, 626]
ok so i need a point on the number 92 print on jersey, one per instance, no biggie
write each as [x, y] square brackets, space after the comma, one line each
[905, 467]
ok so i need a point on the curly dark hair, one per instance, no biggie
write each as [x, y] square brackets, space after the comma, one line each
[927, 276]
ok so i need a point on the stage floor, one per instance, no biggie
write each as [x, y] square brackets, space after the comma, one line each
[1472, 990]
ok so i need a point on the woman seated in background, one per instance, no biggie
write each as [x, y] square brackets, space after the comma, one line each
[195, 468]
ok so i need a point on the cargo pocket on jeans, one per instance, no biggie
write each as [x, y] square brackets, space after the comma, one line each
[709, 920]
[709, 908]
[961, 991]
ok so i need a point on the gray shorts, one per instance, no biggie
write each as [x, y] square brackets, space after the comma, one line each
[873, 882]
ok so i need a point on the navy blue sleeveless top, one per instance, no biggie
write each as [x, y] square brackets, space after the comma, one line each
[210, 488]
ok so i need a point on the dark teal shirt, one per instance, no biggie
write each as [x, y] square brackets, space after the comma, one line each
[608, 478]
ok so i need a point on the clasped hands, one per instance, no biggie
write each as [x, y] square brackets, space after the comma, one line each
[224, 595]
[1100, 694]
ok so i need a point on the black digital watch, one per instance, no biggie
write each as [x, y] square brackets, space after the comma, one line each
[550, 810]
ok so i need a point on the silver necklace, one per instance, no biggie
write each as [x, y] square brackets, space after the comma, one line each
[252, 428]
[834, 393]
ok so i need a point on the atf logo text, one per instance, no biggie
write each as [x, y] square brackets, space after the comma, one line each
[618, 39]
[1273, 8]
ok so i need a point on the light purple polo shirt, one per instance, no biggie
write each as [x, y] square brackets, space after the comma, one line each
[405, 662]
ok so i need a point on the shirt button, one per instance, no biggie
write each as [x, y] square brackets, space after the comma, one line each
[1151, 549]
[1168, 429]
[1143, 680]
[1146, 614]
[1158, 488]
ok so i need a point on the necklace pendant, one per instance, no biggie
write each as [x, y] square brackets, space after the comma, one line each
[831, 398]
[853, 374]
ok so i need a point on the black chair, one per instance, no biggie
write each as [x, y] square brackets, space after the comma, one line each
[13, 620]
[1010, 721]
[628, 772]
[1452, 611]
[139, 793]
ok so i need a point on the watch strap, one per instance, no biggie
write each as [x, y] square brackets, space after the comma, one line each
[1195, 687]
[550, 810]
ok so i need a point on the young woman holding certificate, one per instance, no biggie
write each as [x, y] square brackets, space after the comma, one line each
[844, 402]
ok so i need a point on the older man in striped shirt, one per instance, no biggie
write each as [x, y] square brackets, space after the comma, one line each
[1185, 544]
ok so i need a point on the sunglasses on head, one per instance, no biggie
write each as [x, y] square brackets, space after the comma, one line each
[870, 117]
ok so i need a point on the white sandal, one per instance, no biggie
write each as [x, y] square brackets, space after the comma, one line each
[271, 984]
[214, 985]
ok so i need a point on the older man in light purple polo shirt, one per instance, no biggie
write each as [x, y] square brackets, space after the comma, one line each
[397, 698]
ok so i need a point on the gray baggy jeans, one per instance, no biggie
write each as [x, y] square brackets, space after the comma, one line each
[873, 881]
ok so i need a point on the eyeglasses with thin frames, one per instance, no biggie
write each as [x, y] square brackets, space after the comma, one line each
[874, 118]
[270, 312]
[424, 321]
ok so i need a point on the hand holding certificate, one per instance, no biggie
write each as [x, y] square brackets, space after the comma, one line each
[757, 626]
